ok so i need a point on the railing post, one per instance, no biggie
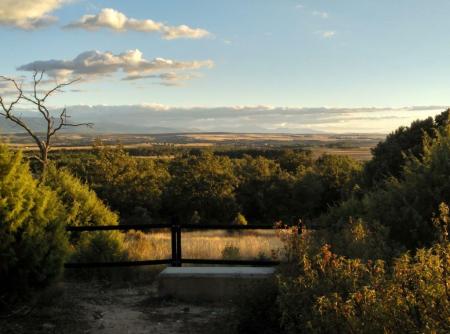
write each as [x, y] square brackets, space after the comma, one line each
[179, 256]
[173, 231]
[176, 242]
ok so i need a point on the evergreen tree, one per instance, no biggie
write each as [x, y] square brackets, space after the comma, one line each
[33, 242]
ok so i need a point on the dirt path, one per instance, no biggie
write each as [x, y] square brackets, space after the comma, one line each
[95, 309]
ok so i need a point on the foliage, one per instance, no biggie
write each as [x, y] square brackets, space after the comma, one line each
[323, 292]
[33, 243]
[128, 184]
[102, 246]
[390, 156]
[407, 206]
[331, 180]
[358, 239]
[83, 207]
[264, 185]
[339, 175]
[240, 219]
[265, 190]
[231, 252]
[203, 185]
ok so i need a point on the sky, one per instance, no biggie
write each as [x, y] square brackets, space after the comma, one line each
[385, 63]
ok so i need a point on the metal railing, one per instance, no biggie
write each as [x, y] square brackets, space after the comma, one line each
[176, 259]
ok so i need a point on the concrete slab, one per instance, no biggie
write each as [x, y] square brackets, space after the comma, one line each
[212, 284]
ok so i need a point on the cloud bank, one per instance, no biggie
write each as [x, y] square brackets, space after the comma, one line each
[28, 14]
[109, 18]
[254, 119]
[94, 64]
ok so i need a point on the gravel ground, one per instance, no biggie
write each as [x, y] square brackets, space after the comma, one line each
[93, 307]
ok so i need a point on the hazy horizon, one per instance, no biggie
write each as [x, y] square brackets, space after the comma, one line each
[151, 118]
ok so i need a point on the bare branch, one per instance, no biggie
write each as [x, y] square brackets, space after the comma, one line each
[63, 123]
[7, 111]
[58, 87]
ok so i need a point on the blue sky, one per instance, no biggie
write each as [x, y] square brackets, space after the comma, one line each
[348, 53]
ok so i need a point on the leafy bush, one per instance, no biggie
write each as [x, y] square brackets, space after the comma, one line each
[127, 183]
[33, 243]
[412, 298]
[100, 246]
[358, 239]
[408, 205]
[204, 184]
[230, 252]
[323, 292]
[240, 219]
[82, 208]
[82, 205]
[390, 155]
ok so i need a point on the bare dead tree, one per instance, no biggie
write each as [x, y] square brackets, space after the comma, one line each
[52, 124]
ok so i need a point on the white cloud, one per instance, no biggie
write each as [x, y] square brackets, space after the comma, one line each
[299, 6]
[112, 19]
[94, 64]
[327, 33]
[167, 78]
[28, 14]
[323, 15]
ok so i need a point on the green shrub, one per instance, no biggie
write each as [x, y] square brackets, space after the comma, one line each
[240, 219]
[204, 184]
[83, 207]
[33, 243]
[230, 252]
[358, 239]
[323, 292]
[102, 246]
[407, 205]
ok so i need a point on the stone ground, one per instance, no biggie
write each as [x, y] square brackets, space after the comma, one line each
[95, 308]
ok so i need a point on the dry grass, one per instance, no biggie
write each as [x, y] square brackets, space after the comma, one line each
[357, 153]
[204, 245]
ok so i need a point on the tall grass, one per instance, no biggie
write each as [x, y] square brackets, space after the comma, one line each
[203, 244]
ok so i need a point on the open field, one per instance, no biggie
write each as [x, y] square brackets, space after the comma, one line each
[205, 245]
[355, 145]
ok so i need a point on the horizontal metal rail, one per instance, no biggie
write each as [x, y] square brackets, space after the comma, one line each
[117, 227]
[117, 264]
[166, 226]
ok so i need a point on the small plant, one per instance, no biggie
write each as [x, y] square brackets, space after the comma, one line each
[240, 219]
[231, 252]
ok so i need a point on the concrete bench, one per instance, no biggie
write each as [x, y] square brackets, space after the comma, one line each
[210, 284]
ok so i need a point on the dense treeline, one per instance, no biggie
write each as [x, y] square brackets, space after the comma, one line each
[265, 186]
